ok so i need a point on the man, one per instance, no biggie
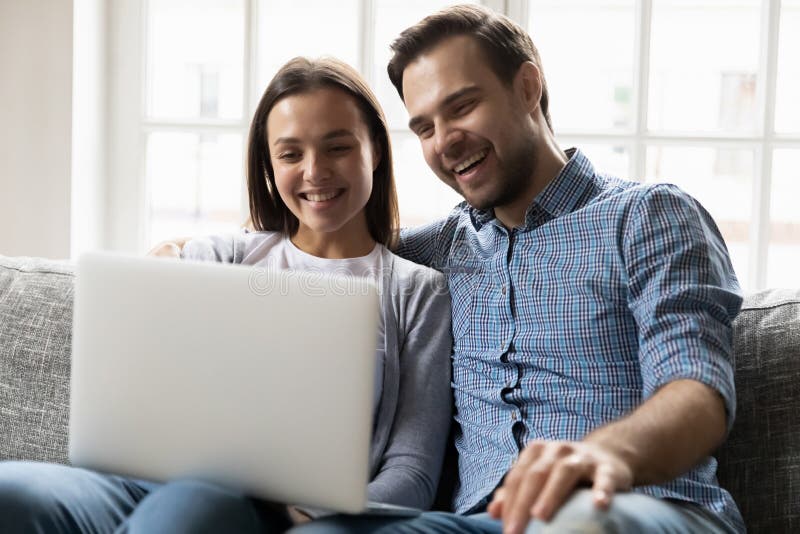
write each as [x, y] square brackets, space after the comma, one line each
[591, 315]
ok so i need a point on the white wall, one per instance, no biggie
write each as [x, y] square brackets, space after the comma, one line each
[35, 127]
[89, 126]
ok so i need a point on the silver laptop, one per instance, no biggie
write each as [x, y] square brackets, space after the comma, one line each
[259, 380]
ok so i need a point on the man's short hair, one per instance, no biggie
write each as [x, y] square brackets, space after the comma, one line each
[504, 43]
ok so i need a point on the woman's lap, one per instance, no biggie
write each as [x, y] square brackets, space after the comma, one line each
[58, 498]
[38, 497]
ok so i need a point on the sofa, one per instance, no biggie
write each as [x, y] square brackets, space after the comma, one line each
[759, 464]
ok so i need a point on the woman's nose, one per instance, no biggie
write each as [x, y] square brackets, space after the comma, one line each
[317, 169]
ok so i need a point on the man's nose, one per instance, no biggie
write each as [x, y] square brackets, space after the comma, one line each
[446, 139]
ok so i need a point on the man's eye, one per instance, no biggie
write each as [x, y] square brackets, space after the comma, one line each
[424, 132]
[464, 107]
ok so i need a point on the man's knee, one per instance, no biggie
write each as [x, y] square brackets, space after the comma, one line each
[579, 515]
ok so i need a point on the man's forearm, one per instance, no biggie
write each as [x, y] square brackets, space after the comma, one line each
[668, 434]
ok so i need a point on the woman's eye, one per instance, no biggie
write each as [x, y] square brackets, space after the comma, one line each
[288, 156]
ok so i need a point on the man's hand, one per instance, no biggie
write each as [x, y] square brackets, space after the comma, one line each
[169, 249]
[547, 472]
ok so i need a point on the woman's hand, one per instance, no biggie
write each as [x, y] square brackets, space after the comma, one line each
[169, 249]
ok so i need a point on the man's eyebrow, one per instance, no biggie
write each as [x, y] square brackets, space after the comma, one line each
[449, 99]
[328, 136]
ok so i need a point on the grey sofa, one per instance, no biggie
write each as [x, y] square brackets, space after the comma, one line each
[759, 464]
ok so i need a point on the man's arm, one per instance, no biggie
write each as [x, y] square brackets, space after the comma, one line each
[683, 297]
[428, 244]
[663, 438]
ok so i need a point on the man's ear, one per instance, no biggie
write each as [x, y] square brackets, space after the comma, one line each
[528, 84]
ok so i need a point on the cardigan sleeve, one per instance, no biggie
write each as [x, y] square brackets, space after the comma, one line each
[409, 470]
[220, 248]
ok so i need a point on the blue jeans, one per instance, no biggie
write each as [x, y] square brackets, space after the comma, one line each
[629, 513]
[56, 499]
[47, 498]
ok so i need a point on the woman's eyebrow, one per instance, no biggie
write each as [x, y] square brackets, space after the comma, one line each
[342, 132]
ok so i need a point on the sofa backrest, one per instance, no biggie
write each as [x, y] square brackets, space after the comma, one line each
[35, 343]
[760, 462]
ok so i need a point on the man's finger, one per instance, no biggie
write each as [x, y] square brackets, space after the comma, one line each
[604, 486]
[495, 508]
[517, 508]
[512, 479]
[563, 479]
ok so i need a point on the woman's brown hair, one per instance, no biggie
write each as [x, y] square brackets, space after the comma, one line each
[301, 75]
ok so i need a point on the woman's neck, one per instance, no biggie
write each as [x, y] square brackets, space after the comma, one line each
[343, 243]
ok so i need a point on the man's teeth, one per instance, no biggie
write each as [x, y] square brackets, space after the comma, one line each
[472, 160]
[321, 197]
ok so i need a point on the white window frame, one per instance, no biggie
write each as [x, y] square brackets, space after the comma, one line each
[763, 143]
[129, 125]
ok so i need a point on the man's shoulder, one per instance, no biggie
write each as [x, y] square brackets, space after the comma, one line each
[627, 193]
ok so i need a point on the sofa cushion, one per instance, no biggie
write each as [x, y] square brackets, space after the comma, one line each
[35, 342]
[760, 462]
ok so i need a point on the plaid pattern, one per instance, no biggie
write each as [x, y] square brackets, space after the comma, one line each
[609, 290]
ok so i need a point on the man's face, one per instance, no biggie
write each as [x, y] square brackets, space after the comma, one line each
[476, 132]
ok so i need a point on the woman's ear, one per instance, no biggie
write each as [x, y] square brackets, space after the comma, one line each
[528, 84]
[377, 153]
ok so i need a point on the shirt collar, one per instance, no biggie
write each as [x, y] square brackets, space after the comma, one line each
[559, 197]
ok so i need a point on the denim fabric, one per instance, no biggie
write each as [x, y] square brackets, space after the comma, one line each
[56, 499]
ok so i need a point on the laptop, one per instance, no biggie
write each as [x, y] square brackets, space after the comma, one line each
[258, 380]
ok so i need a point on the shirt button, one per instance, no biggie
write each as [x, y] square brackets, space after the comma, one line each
[503, 290]
[513, 416]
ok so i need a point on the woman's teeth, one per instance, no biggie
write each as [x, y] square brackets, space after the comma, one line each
[321, 197]
[471, 161]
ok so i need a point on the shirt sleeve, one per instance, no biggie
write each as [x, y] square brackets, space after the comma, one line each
[422, 244]
[683, 293]
[410, 467]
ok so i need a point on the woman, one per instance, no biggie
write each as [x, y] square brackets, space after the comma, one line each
[322, 198]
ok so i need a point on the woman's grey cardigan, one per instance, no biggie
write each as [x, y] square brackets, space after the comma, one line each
[415, 408]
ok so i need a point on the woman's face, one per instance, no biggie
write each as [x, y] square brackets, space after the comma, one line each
[323, 159]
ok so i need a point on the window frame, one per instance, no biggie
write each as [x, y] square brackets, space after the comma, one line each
[126, 210]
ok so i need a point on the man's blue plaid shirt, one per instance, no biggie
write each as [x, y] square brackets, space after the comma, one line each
[610, 290]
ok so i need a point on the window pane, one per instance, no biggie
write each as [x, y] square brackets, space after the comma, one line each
[722, 180]
[392, 17]
[703, 65]
[784, 241]
[607, 159]
[313, 28]
[194, 184]
[787, 110]
[591, 86]
[189, 74]
[422, 196]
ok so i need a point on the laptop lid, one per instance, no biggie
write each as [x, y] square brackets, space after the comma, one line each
[256, 379]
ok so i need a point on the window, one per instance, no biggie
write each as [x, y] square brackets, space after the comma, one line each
[695, 92]
[690, 92]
